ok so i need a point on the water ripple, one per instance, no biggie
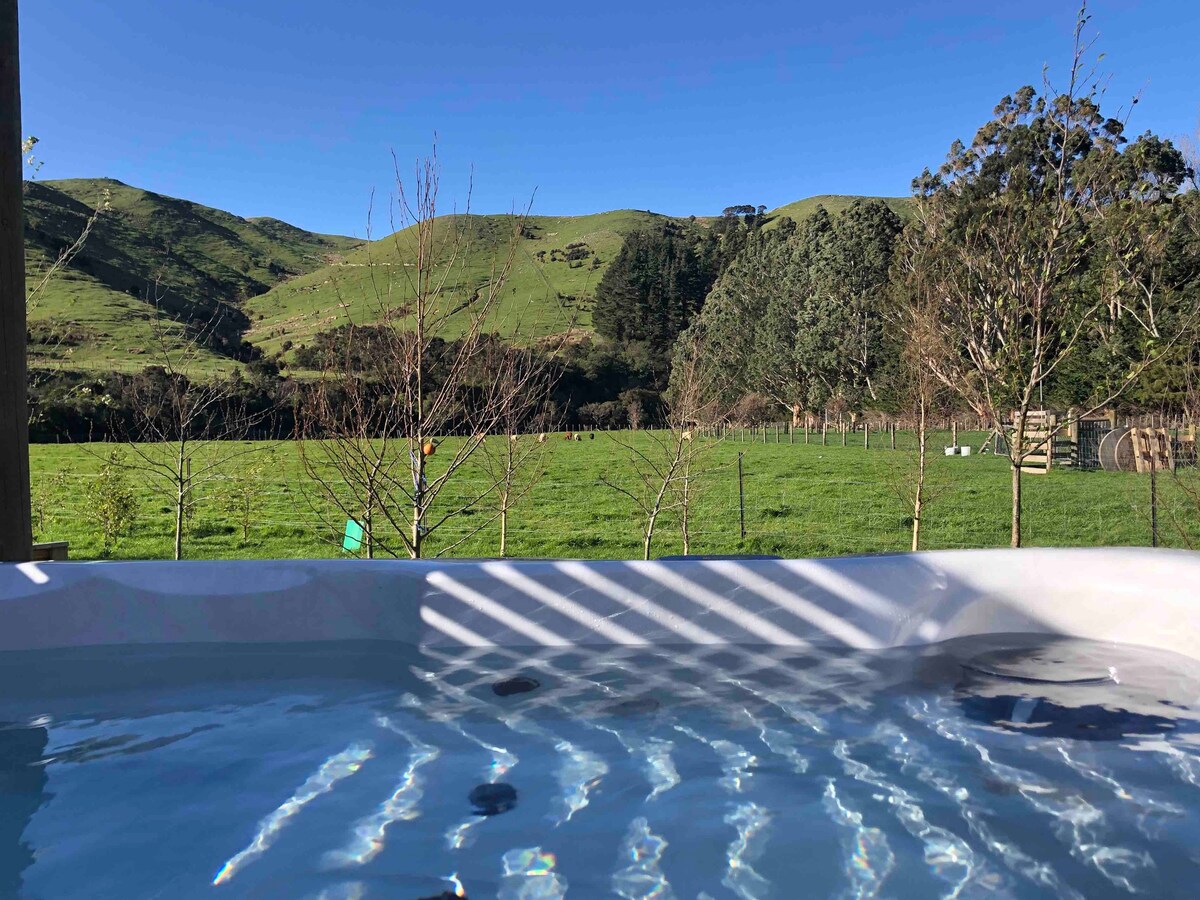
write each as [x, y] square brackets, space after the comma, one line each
[948, 856]
[1150, 811]
[657, 764]
[370, 833]
[1074, 820]
[642, 879]
[579, 772]
[737, 762]
[529, 875]
[916, 759]
[869, 857]
[333, 770]
[751, 822]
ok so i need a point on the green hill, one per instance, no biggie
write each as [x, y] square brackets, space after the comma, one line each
[835, 203]
[200, 264]
[272, 285]
[558, 262]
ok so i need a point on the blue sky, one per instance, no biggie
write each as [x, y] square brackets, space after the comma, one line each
[292, 108]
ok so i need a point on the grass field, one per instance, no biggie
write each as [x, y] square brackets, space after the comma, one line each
[800, 500]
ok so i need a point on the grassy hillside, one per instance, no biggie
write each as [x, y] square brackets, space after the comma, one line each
[835, 203]
[558, 263]
[273, 285]
[198, 262]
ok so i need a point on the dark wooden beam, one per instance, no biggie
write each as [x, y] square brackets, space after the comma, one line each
[16, 537]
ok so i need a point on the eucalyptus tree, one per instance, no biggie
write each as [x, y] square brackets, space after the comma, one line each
[1041, 241]
[798, 315]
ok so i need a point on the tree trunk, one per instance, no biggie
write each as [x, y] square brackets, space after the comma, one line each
[1016, 456]
[504, 528]
[418, 510]
[182, 471]
[1016, 504]
[687, 542]
[368, 520]
[919, 497]
[16, 528]
[180, 500]
[649, 536]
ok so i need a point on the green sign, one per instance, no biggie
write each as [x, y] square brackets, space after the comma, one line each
[354, 536]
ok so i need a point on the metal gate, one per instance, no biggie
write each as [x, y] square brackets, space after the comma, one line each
[1091, 432]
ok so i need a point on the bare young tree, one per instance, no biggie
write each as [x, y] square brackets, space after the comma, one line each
[1011, 233]
[914, 317]
[186, 430]
[513, 460]
[669, 465]
[416, 383]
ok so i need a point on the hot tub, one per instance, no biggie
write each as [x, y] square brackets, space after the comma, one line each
[959, 724]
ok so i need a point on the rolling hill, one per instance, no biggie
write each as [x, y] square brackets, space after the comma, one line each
[199, 264]
[273, 286]
[835, 203]
[558, 262]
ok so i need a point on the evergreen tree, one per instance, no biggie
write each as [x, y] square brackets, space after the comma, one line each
[798, 317]
[653, 288]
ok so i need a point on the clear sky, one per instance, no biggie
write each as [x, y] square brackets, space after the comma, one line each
[291, 108]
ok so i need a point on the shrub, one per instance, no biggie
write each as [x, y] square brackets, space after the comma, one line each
[111, 503]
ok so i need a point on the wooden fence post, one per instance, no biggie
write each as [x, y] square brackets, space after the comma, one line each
[741, 499]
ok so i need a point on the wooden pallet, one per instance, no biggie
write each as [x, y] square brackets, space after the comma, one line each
[1039, 446]
[1153, 450]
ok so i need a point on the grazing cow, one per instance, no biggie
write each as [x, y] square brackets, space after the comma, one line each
[542, 438]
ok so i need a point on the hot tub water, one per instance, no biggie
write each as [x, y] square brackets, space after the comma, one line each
[1006, 766]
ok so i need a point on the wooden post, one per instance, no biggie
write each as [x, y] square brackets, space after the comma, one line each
[1153, 502]
[824, 431]
[16, 528]
[866, 435]
[844, 433]
[806, 429]
[741, 499]
[893, 435]
[954, 433]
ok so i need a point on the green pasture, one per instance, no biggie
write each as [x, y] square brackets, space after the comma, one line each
[799, 500]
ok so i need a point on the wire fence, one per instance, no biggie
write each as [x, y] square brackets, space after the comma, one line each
[787, 498]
